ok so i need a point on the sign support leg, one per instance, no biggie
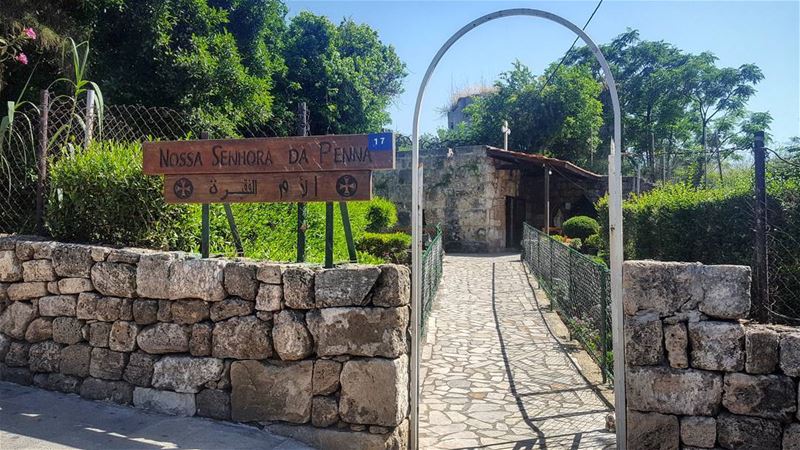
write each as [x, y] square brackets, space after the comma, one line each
[237, 240]
[348, 232]
[328, 235]
[302, 216]
[205, 231]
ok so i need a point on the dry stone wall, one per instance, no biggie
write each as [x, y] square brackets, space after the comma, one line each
[318, 354]
[698, 374]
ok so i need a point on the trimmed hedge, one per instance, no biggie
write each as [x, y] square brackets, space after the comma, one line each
[580, 227]
[393, 247]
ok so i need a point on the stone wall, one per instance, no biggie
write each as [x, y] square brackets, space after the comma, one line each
[319, 354]
[699, 375]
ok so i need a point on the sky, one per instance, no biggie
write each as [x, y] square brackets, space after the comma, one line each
[760, 32]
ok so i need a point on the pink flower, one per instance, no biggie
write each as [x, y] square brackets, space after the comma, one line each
[22, 58]
[29, 32]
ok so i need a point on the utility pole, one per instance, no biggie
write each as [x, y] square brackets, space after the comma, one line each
[506, 131]
[547, 200]
[302, 215]
[762, 261]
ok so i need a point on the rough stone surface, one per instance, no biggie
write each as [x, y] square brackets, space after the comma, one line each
[653, 431]
[57, 305]
[230, 307]
[17, 375]
[163, 338]
[214, 403]
[324, 411]
[114, 279]
[698, 431]
[18, 354]
[61, 383]
[240, 280]
[241, 338]
[326, 376]
[269, 297]
[86, 308]
[200, 341]
[790, 354]
[107, 364]
[139, 370]
[122, 337]
[762, 347]
[374, 391]
[16, 318]
[263, 392]
[38, 270]
[393, 287]
[197, 278]
[748, 433]
[768, 396]
[152, 275]
[643, 338]
[10, 266]
[113, 391]
[164, 311]
[44, 357]
[52, 288]
[344, 286]
[71, 261]
[122, 255]
[5, 342]
[41, 329]
[74, 285]
[290, 336]
[727, 291]
[27, 291]
[270, 273]
[67, 330]
[676, 341]
[185, 374]
[145, 312]
[298, 283]
[791, 437]
[359, 331]
[717, 346]
[671, 391]
[108, 309]
[663, 287]
[75, 360]
[42, 250]
[188, 312]
[98, 334]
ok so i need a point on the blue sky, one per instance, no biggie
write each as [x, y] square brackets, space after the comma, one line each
[764, 33]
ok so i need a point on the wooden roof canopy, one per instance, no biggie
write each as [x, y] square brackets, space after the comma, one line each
[538, 161]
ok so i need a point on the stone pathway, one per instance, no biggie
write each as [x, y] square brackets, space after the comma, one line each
[492, 374]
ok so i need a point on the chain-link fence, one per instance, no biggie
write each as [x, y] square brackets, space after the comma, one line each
[18, 172]
[578, 289]
[431, 274]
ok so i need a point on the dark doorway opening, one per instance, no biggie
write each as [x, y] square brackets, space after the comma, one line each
[515, 218]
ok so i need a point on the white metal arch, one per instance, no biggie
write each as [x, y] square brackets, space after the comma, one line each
[614, 212]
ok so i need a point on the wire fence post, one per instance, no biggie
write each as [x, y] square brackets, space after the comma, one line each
[603, 326]
[41, 158]
[762, 309]
[88, 118]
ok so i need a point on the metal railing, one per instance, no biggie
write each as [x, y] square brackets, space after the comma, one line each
[578, 288]
[431, 274]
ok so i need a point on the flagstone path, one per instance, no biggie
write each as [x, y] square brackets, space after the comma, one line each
[492, 374]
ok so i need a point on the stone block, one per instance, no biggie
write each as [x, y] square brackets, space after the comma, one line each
[163, 338]
[74, 285]
[717, 346]
[44, 357]
[768, 396]
[16, 318]
[16, 375]
[393, 287]
[27, 291]
[270, 273]
[663, 287]
[18, 354]
[269, 297]
[727, 291]
[164, 311]
[326, 376]
[748, 433]
[374, 391]
[791, 437]
[52, 288]
[24, 249]
[122, 337]
[43, 250]
[671, 391]
[241, 338]
[107, 364]
[240, 280]
[359, 331]
[145, 312]
[5, 343]
[790, 354]
[112, 391]
[324, 411]
[643, 339]
[67, 330]
[75, 360]
[197, 278]
[214, 403]
[762, 347]
[10, 266]
[262, 392]
[189, 312]
[346, 286]
[71, 261]
[59, 382]
[86, 308]
[38, 270]
[185, 374]
[653, 431]
[41, 329]
[114, 279]
[3, 294]
[698, 431]
[98, 334]
[290, 336]
[676, 341]
[200, 341]
[230, 307]
[298, 287]
[99, 254]
[57, 305]
[124, 255]
[152, 275]
[139, 370]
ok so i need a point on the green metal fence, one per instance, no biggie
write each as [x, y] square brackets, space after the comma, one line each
[578, 288]
[431, 274]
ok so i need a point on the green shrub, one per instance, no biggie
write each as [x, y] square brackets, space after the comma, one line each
[575, 243]
[100, 195]
[558, 237]
[580, 227]
[392, 247]
[592, 244]
[381, 214]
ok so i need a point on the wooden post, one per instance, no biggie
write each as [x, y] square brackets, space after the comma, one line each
[761, 309]
[205, 226]
[348, 232]
[328, 235]
[41, 158]
[302, 214]
[88, 118]
[237, 240]
[547, 200]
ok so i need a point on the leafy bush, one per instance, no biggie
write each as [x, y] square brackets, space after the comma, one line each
[558, 237]
[100, 195]
[580, 227]
[592, 244]
[381, 214]
[575, 243]
[393, 247]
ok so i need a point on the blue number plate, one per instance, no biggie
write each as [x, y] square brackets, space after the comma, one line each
[380, 141]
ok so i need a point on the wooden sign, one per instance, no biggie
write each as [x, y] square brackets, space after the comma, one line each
[355, 152]
[269, 187]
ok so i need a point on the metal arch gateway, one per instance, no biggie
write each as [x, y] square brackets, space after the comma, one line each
[615, 218]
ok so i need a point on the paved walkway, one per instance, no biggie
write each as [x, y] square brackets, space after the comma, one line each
[37, 419]
[493, 375]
